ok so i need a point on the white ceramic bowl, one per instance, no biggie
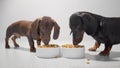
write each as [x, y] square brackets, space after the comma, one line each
[73, 53]
[48, 52]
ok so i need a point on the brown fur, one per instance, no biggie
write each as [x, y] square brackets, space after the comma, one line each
[97, 45]
[39, 30]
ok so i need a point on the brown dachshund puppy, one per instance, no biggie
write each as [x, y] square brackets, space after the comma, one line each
[39, 30]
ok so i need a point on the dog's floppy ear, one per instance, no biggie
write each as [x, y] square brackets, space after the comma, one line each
[35, 27]
[56, 30]
[90, 23]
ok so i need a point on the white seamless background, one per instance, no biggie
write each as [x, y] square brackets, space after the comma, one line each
[59, 10]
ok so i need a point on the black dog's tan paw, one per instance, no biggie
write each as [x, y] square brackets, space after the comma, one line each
[104, 53]
[92, 49]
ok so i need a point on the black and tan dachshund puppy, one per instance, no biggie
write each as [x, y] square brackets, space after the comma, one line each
[39, 30]
[103, 29]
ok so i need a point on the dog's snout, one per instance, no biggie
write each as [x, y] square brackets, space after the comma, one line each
[46, 41]
[76, 41]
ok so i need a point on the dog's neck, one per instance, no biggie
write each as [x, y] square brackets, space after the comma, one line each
[99, 28]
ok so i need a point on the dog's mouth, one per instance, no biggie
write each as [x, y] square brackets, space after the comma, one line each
[77, 38]
[76, 41]
[46, 41]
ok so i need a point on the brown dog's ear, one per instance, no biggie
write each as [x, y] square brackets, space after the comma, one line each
[56, 30]
[35, 28]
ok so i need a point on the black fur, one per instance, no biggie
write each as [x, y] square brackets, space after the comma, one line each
[102, 29]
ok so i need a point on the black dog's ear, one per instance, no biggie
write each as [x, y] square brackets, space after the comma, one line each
[35, 27]
[90, 24]
[70, 32]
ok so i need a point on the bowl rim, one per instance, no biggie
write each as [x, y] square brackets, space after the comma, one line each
[72, 48]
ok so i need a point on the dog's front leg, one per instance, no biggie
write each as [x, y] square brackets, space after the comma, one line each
[31, 43]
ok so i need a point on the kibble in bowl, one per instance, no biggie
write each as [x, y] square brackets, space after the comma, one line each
[73, 51]
[49, 46]
[72, 46]
[48, 51]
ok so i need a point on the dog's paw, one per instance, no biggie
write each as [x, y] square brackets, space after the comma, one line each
[92, 49]
[16, 45]
[7, 47]
[104, 53]
[32, 49]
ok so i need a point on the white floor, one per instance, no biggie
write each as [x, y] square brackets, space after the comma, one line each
[22, 58]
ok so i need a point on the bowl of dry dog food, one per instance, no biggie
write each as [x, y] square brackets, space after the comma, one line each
[73, 51]
[48, 51]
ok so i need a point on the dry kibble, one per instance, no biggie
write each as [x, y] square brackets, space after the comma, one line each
[49, 46]
[71, 46]
[87, 61]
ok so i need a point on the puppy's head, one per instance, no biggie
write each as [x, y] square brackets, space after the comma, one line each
[46, 25]
[76, 26]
